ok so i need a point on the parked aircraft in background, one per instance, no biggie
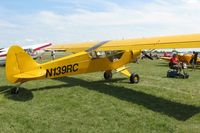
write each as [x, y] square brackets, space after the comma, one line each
[167, 54]
[34, 50]
[186, 58]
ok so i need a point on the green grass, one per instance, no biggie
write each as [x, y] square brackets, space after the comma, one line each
[87, 103]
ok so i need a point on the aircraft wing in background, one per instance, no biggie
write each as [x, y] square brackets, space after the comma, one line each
[34, 50]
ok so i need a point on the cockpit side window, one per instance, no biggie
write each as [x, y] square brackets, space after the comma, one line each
[93, 54]
[111, 55]
[114, 55]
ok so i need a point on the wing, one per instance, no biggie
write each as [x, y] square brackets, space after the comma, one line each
[165, 42]
[73, 47]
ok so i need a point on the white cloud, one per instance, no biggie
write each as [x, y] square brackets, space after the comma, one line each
[193, 2]
[5, 24]
[114, 22]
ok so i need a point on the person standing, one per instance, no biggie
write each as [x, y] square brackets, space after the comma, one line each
[194, 60]
[53, 54]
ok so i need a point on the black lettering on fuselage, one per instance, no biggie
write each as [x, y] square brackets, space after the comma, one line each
[64, 69]
[61, 70]
[48, 73]
[75, 67]
[69, 68]
[58, 71]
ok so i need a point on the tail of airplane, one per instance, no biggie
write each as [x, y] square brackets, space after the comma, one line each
[20, 66]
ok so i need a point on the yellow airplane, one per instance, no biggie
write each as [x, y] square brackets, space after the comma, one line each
[100, 56]
[186, 58]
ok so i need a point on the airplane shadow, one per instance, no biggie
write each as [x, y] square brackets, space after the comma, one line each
[24, 94]
[179, 111]
[173, 109]
[68, 84]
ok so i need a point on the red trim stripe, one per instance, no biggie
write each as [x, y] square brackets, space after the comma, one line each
[3, 55]
[42, 47]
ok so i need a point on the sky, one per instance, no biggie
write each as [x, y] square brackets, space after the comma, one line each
[28, 22]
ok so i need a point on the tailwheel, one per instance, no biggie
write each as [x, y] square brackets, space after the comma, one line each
[134, 78]
[15, 90]
[107, 75]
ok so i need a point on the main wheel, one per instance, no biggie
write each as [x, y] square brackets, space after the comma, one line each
[134, 78]
[107, 75]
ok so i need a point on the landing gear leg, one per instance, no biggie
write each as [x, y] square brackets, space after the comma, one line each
[15, 90]
[134, 78]
[107, 75]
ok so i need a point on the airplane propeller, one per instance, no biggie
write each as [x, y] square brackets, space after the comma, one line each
[144, 53]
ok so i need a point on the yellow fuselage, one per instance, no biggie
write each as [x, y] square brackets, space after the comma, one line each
[83, 63]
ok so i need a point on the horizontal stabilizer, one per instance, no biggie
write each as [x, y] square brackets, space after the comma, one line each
[31, 74]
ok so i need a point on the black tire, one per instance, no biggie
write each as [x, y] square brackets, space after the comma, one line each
[186, 76]
[134, 78]
[168, 74]
[107, 75]
[181, 76]
[15, 90]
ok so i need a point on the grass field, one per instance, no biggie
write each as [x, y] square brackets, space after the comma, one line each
[87, 103]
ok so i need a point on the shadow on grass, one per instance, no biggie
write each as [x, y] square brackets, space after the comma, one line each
[26, 94]
[173, 109]
[50, 87]
[70, 85]
[22, 96]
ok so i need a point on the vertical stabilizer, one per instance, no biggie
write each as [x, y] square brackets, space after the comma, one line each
[18, 62]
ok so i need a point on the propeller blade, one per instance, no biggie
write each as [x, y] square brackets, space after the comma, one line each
[146, 55]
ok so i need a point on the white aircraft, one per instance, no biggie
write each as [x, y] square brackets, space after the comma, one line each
[34, 50]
